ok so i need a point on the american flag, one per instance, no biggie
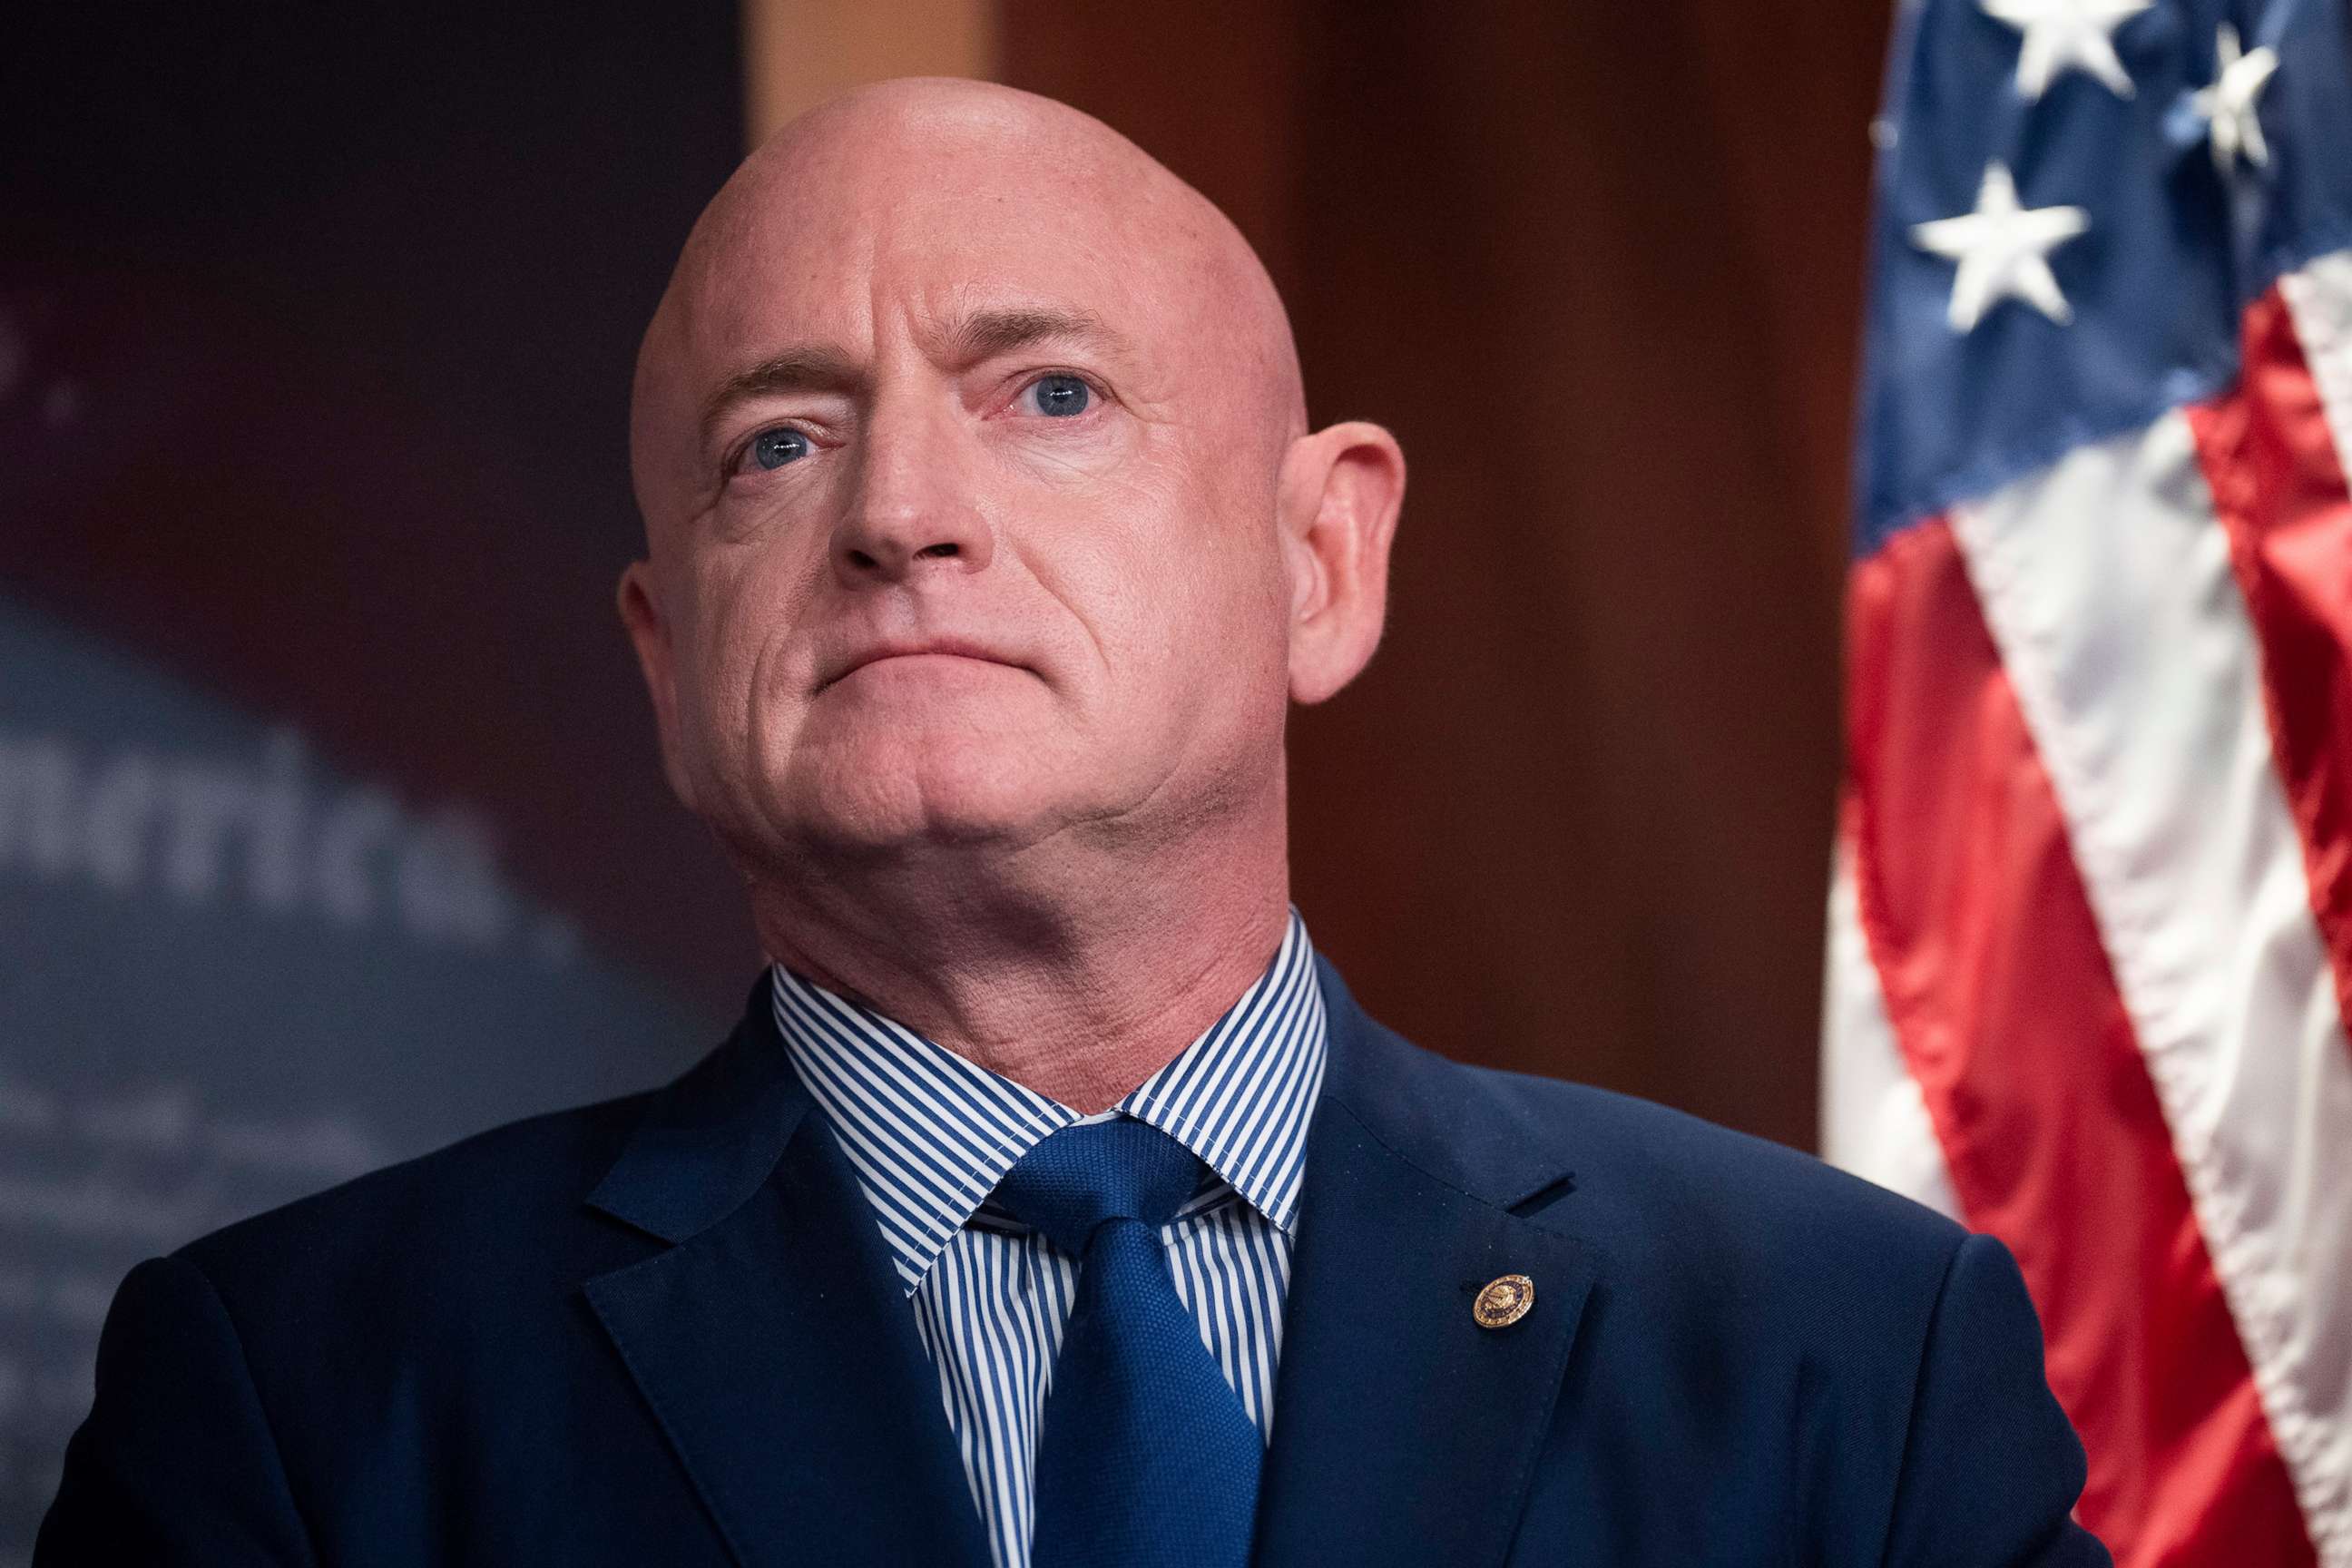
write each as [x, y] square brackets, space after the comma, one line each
[2091, 928]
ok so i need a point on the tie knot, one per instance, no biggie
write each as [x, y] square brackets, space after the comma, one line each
[1081, 1177]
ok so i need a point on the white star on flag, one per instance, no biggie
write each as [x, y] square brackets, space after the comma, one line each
[2228, 106]
[2061, 33]
[2003, 250]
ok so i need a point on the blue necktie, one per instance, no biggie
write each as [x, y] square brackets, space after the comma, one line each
[1146, 1458]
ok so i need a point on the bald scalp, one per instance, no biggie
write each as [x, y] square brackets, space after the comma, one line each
[825, 190]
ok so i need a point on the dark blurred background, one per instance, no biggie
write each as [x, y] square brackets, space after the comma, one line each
[330, 824]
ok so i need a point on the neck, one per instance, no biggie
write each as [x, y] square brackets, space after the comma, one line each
[1074, 976]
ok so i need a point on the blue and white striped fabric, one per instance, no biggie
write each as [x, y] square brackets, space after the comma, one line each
[932, 1134]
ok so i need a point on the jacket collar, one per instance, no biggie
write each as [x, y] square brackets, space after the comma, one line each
[1404, 1432]
[711, 1136]
[769, 1340]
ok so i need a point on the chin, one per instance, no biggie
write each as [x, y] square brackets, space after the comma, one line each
[906, 791]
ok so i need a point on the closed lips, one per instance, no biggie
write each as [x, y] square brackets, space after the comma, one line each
[914, 650]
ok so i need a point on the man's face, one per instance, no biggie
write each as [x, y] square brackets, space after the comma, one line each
[961, 478]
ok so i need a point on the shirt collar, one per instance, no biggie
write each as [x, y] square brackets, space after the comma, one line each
[930, 1135]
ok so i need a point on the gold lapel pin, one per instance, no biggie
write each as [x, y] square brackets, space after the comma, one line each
[1504, 1302]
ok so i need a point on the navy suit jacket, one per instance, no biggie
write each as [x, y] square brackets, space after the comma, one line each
[663, 1330]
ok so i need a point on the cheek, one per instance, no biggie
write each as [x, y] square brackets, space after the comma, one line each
[1232, 603]
[747, 597]
[1191, 609]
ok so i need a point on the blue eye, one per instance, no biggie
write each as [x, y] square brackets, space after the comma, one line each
[1060, 397]
[774, 449]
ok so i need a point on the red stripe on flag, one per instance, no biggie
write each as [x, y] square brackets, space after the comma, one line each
[2001, 995]
[2278, 487]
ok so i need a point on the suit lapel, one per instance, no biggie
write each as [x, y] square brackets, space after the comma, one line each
[1403, 1431]
[770, 1342]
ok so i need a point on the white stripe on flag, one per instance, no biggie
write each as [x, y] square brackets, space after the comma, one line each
[2107, 585]
[1874, 1118]
[2319, 300]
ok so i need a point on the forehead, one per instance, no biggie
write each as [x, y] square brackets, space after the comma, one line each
[841, 243]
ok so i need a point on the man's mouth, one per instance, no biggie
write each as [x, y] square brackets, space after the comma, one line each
[937, 647]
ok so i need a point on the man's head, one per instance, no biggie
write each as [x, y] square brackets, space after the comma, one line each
[980, 503]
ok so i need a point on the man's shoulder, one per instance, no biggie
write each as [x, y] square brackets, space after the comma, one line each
[1749, 1321]
[500, 1201]
[514, 1197]
[1661, 1192]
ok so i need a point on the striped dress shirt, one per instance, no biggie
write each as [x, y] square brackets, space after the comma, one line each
[931, 1134]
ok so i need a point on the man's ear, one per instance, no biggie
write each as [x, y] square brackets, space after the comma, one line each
[650, 633]
[1337, 510]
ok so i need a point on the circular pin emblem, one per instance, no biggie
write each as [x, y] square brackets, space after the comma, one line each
[1504, 1302]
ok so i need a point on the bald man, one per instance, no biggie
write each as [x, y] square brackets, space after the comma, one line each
[1051, 1204]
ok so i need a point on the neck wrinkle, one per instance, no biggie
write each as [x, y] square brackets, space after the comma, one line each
[1078, 988]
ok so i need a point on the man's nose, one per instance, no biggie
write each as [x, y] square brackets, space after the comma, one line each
[916, 508]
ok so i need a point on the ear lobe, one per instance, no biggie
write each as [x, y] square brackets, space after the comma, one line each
[1341, 490]
[649, 634]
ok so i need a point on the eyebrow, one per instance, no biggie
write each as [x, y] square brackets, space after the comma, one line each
[977, 336]
[983, 334]
[810, 369]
